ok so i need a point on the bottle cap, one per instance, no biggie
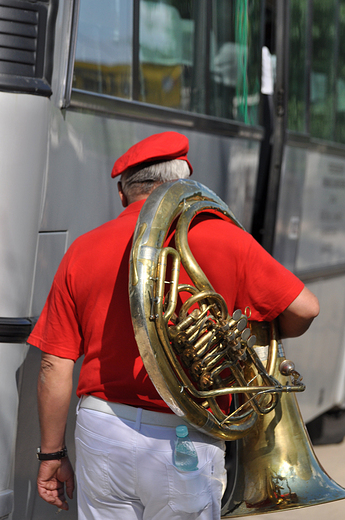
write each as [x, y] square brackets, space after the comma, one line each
[181, 431]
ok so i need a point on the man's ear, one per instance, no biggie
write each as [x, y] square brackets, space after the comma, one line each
[122, 195]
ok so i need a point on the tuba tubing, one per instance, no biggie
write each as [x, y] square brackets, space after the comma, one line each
[192, 392]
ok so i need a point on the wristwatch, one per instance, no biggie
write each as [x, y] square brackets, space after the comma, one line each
[57, 455]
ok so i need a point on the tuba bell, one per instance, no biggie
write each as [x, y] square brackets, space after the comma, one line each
[194, 352]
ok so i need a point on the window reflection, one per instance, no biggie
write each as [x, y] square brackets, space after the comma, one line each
[166, 53]
[196, 55]
[103, 61]
[322, 73]
[297, 104]
[340, 87]
[235, 60]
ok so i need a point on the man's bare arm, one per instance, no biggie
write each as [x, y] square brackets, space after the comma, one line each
[298, 316]
[54, 395]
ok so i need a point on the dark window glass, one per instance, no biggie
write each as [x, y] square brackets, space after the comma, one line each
[298, 92]
[340, 92]
[235, 60]
[322, 81]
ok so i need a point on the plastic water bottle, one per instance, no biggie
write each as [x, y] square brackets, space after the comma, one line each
[185, 455]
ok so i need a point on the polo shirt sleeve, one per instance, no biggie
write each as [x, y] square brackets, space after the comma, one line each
[266, 286]
[57, 331]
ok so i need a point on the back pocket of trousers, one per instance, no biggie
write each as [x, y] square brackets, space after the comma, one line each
[92, 469]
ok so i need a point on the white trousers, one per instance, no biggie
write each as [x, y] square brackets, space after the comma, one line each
[125, 471]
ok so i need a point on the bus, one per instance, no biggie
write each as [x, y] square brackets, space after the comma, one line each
[257, 86]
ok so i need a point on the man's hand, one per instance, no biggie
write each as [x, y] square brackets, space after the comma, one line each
[52, 477]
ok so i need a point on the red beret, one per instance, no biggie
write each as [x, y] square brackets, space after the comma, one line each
[158, 147]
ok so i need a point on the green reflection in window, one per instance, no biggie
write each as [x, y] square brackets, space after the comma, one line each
[103, 61]
[323, 69]
[247, 32]
[235, 60]
[340, 85]
[297, 66]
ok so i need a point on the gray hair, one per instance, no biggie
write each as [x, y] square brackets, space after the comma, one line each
[141, 181]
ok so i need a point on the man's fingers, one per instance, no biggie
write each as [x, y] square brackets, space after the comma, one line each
[64, 506]
[70, 487]
[54, 496]
[54, 500]
[51, 483]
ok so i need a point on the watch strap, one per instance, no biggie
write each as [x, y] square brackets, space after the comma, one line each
[57, 455]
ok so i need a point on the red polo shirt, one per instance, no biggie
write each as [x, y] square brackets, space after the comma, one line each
[87, 310]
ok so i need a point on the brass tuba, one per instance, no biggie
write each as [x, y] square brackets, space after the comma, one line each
[195, 352]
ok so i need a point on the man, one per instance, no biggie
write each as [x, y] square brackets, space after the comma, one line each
[125, 432]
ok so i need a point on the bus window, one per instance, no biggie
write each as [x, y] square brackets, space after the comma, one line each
[340, 92]
[235, 61]
[316, 104]
[166, 53]
[298, 87]
[197, 56]
[323, 69]
[103, 61]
